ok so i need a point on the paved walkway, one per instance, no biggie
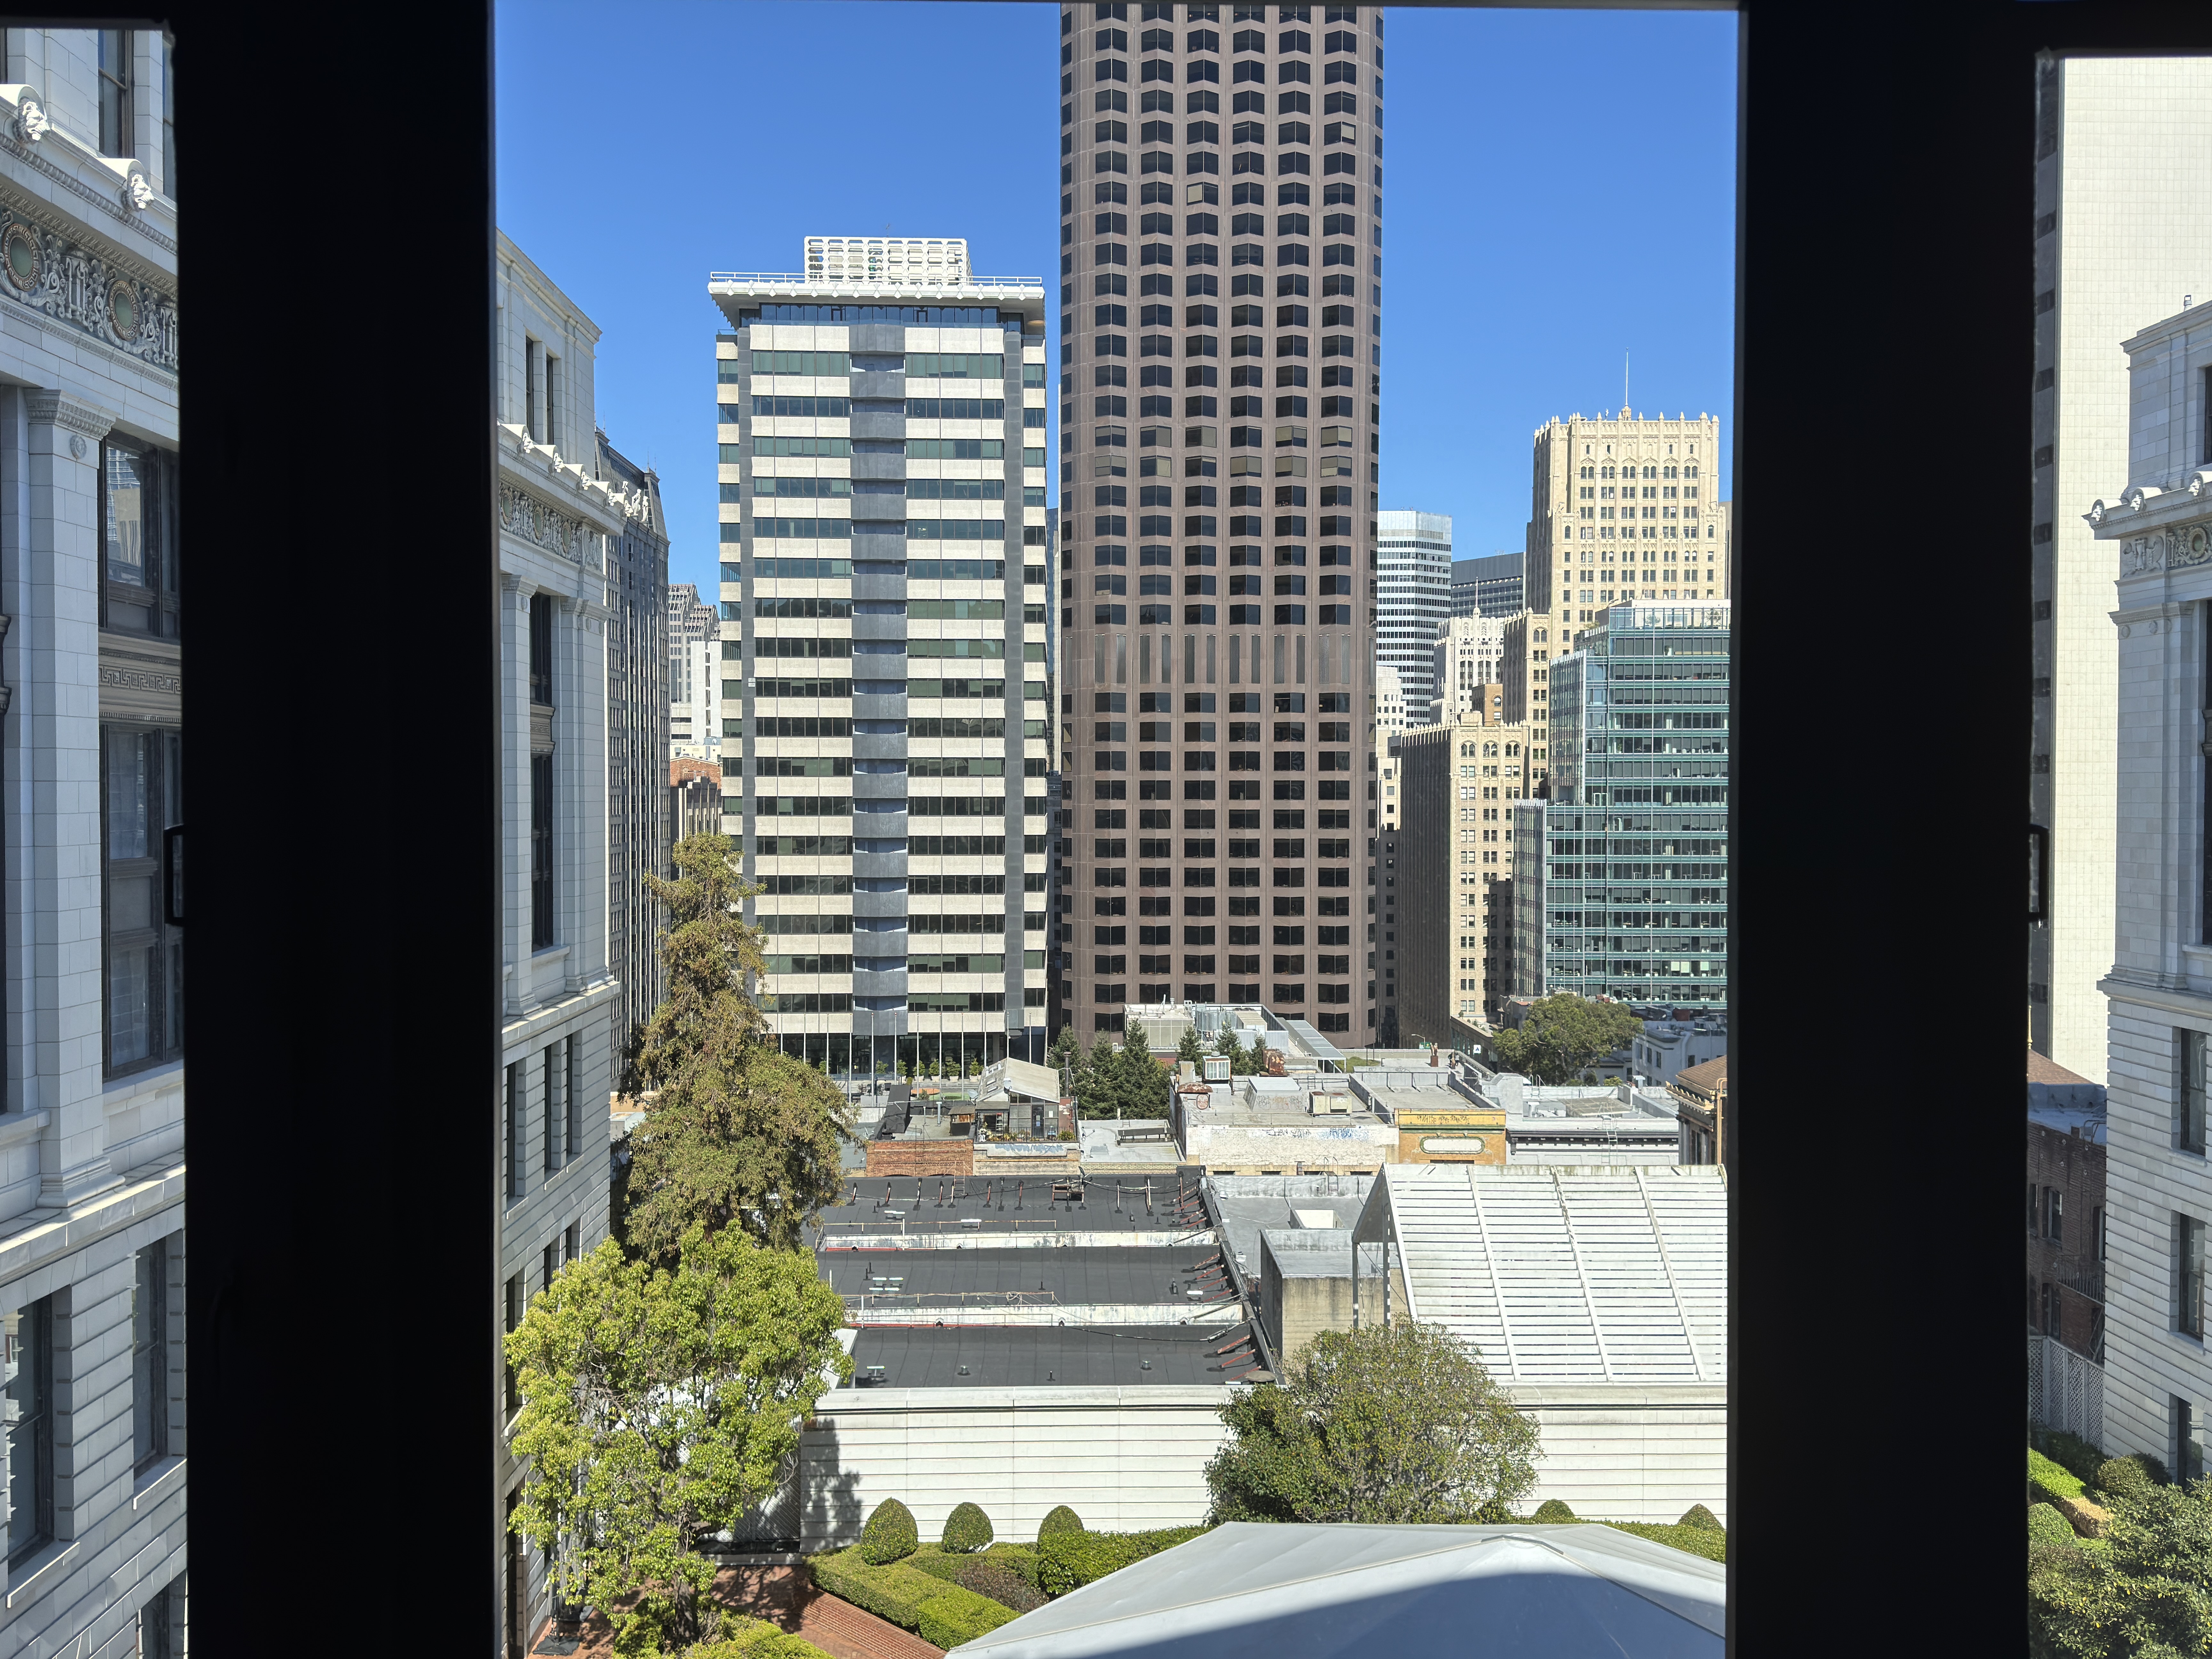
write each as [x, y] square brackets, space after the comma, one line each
[787, 1598]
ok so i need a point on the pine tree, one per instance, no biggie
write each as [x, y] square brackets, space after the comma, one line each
[741, 1134]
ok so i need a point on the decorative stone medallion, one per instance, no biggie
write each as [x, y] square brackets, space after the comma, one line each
[20, 257]
[122, 309]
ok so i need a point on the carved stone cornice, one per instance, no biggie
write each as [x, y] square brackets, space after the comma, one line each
[522, 514]
[47, 407]
[2176, 548]
[57, 276]
[118, 204]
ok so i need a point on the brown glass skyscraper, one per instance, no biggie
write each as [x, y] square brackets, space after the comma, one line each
[1220, 324]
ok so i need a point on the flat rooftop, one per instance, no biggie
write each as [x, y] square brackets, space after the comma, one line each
[1245, 1205]
[1079, 1276]
[894, 1206]
[1043, 1356]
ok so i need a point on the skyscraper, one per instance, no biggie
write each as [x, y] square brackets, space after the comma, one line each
[695, 726]
[638, 824]
[1487, 587]
[1253, 717]
[2111, 133]
[886, 687]
[1621, 887]
[1413, 602]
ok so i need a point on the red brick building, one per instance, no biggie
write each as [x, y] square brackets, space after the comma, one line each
[2065, 1206]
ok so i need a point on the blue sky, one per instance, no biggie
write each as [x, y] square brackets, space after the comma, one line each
[1558, 190]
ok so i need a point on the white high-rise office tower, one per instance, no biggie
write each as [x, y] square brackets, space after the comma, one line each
[2112, 133]
[1414, 602]
[886, 689]
[1469, 654]
[695, 696]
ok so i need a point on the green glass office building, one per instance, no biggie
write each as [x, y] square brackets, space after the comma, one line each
[1628, 897]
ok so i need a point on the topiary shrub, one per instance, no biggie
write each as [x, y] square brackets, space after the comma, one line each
[1699, 1515]
[2046, 1526]
[996, 1576]
[2077, 1456]
[2047, 1482]
[890, 1535]
[1710, 1543]
[967, 1529]
[2132, 1476]
[1551, 1512]
[1062, 1519]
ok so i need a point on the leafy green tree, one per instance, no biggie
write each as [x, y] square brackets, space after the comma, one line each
[1188, 1050]
[657, 1404]
[1396, 1425]
[1242, 1061]
[1144, 1082]
[741, 1134]
[1563, 1033]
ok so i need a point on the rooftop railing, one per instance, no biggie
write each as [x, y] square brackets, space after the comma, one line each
[801, 279]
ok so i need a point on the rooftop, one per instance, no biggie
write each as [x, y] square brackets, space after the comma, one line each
[1084, 1276]
[1034, 1356]
[1260, 1590]
[1567, 1274]
[1711, 1077]
[896, 1208]
[2041, 1069]
[1243, 1206]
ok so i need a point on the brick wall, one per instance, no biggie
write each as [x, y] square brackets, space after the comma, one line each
[921, 1158]
[2074, 1169]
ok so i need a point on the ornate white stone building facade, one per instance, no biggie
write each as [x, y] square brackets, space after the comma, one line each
[550, 1099]
[2158, 1384]
[92, 1174]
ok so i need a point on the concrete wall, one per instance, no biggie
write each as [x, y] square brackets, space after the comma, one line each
[1629, 1452]
[1125, 1459]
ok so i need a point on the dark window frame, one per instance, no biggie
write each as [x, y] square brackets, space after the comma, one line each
[37, 1424]
[119, 105]
[150, 1356]
[165, 986]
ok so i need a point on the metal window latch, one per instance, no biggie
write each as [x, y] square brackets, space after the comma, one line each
[173, 875]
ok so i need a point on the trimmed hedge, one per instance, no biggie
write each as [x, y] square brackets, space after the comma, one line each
[1709, 1541]
[1553, 1512]
[2132, 1476]
[2046, 1526]
[1062, 1519]
[941, 1613]
[1699, 1515]
[2070, 1452]
[2047, 1482]
[967, 1529]
[890, 1535]
[1068, 1561]
[755, 1638]
[985, 1575]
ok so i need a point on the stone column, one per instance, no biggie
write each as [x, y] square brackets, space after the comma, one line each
[514, 713]
[53, 569]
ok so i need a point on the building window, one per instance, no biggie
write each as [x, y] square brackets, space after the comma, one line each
[144, 963]
[2189, 1276]
[117, 123]
[159, 1628]
[530, 382]
[541, 649]
[552, 400]
[511, 1141]
[514, 1324]
[29, 1335]
[139, 592]
[2097, 1230]
[168, 118]
[2189, 1116]
[573, 1114]
[150, 1357]
[2188, 1442]
[2054, 1216]
[550, 1080]
[541, 852]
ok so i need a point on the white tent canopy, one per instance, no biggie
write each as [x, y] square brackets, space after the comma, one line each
[1252, 1591]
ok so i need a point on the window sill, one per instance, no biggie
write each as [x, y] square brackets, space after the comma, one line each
[160, 1480]
[40, 1574]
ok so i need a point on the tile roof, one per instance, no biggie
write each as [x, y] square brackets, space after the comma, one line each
[1712, 1076]
[2041, 1069]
